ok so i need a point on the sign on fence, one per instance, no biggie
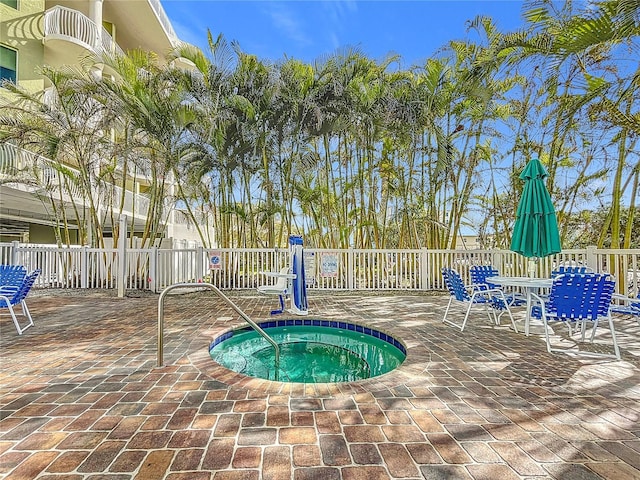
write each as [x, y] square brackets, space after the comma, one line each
[329, 264]
[215, 260]
[310, 267]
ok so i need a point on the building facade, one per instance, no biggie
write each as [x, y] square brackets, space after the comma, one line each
[34, 33]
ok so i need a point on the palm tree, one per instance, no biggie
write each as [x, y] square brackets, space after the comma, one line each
[154, 123]
[576, 47]
[207, 173]
[66, 126]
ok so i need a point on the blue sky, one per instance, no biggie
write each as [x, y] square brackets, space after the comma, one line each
[307, 29]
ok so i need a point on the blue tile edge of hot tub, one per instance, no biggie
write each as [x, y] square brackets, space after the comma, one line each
[316, 323]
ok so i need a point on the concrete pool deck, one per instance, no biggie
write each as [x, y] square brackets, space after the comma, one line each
[82, 398]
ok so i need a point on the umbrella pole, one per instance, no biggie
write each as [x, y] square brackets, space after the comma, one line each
[532, 267]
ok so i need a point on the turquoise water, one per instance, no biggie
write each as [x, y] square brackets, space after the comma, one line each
[308, 354]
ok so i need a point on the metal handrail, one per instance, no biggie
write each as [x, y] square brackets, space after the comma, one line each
[253, 324]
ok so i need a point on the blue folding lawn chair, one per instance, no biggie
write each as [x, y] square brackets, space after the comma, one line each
[481, 275]
[575, 300]
[492, 299]
[623, 305]
[578, 270]
[12, 275]
[12, 296]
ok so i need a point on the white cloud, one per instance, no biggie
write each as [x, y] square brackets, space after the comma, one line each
[335, 40]
[188, 33]
[337, 16]
[340, 10]
[286, 21]
[188, 24]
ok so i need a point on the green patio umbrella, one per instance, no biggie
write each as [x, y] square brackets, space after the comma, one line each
[535, 233]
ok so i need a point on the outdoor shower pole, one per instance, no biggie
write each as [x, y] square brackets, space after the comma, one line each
[122, 255]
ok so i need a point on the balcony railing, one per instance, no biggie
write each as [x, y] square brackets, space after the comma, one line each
[23, 166]
[12, 161]
[41, 175]
[133, 204]
[68, 24]
[164, 20]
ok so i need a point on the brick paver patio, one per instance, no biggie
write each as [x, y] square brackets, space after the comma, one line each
[82, 398]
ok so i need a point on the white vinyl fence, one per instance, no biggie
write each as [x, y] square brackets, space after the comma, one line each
[352, 269]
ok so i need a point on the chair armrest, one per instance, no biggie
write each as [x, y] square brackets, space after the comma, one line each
[537, 297]
[624, 298]
[473, 287]
[623, 304]
[540, 304]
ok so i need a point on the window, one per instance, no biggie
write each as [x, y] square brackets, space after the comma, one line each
[10, 3]
[8, 64]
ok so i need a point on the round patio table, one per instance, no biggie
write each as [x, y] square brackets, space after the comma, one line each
[529, 284]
